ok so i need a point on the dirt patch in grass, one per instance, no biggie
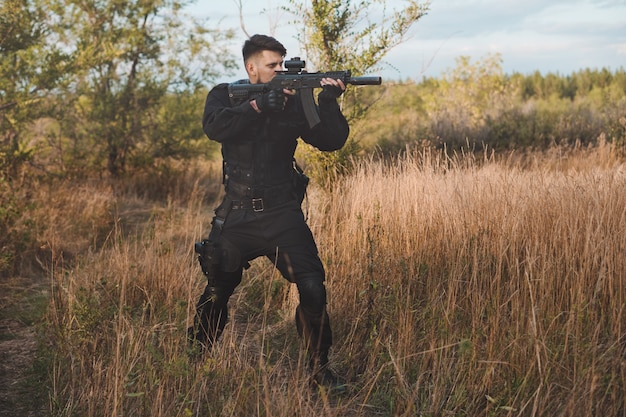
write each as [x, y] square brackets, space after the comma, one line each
[22, 304]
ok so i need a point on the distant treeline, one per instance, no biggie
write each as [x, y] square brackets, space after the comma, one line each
[477, 104]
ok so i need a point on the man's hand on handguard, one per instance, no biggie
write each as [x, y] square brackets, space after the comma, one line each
[332, 89]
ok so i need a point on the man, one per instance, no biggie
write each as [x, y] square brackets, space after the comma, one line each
[261, 214]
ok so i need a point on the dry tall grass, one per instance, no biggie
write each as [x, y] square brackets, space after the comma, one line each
[456, 287]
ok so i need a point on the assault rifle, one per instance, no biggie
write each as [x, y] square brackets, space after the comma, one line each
[297, 78]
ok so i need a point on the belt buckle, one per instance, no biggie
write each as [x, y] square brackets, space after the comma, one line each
[257, 204]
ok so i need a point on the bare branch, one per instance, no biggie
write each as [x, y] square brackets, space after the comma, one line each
[242, 24]
[8, 105]
[273, 16]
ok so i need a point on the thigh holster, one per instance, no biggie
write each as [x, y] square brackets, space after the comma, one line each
[209, 254]
[208, 257]
[217, 254]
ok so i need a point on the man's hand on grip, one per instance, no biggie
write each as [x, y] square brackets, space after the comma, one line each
[272, 101]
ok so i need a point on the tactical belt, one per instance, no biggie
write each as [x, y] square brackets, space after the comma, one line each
[261, 204]
[249, 197]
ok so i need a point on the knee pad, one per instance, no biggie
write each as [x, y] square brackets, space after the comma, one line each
[312, 294]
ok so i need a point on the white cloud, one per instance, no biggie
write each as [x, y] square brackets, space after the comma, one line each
[587, 17]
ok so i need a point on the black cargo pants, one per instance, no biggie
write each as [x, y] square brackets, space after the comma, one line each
[281, 234]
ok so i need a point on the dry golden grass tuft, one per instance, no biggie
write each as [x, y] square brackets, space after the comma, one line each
[456, 287]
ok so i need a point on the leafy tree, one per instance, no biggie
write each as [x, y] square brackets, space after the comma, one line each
[129, 58]
[348, 34]
[469, 97]
[344, 34]
[29, 69]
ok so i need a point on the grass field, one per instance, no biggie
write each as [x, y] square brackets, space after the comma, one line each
[458, 286]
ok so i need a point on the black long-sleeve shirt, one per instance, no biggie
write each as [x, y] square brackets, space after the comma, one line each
[262, 145]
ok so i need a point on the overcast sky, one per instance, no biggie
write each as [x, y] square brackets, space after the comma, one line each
[561, 36]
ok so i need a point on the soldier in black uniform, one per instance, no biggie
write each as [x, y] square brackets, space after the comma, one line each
[261, 213]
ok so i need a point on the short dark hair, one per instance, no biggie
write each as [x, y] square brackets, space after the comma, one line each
[259, 43]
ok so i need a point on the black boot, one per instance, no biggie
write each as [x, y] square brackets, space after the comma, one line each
[322, 376]
[209, 322]
[199, 343]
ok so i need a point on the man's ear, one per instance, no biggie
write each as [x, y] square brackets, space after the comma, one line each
[251, 68]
